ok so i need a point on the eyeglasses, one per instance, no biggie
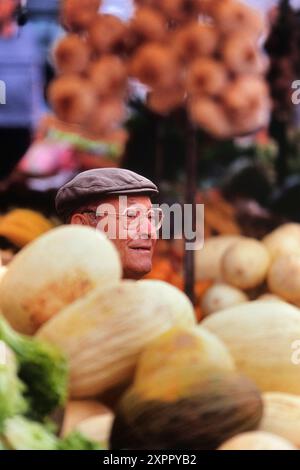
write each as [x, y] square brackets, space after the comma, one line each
[133, 216]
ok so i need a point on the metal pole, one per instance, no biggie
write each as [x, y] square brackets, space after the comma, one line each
[159, 152]
[190, 195]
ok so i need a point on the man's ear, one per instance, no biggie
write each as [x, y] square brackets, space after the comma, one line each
[78, 219]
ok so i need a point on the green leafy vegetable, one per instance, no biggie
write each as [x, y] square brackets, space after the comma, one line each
[76, 441]
[42, 368]
[12, 401]
[22, 434]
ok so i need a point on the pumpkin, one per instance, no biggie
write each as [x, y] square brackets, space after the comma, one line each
[53, 271]
[245, 264]
[221, 296]
[282, 416]
[104, 333]
[260, 336]
[257, 440]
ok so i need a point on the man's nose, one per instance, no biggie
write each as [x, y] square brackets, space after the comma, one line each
[146, 228]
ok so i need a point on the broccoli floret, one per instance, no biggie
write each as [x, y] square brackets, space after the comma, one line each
[12, 388]
[76, 441]
[22, 434]
[42, 368]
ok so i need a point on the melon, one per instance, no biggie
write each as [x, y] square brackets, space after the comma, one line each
[257, 440]
[104, 333]
[245, 264]
[260, 337]
[53, 271]
[221, 296]
[208, 259]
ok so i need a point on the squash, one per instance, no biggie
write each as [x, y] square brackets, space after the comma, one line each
[282, 416]
[245, 264]
[53, 271]
[283, 240]
[257, 440]
[284, 277]
[221, 296]
[260, 335]
[22, 226]
[104, 333]
[78, 411]
[208, 259]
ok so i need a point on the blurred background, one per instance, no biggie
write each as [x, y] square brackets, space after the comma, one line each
[248, 181]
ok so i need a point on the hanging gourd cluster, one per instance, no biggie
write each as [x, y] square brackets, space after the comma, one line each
[200, 55]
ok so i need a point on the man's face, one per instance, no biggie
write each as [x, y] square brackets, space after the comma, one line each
[7, 9]
[134, 237]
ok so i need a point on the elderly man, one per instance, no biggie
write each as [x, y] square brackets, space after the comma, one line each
[117, 202]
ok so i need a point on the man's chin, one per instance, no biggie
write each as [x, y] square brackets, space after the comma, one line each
[137, 272]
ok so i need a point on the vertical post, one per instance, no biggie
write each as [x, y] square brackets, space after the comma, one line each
[279, 132]
[159, 151]
[190, 195]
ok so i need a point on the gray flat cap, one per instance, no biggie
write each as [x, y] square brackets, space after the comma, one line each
[90, 184]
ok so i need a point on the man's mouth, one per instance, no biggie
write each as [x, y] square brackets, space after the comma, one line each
[141, 248]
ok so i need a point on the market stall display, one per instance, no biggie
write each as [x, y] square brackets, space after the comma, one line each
[143, 334]
[203, 353]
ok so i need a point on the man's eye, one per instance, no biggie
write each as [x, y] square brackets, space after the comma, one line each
[132, 214]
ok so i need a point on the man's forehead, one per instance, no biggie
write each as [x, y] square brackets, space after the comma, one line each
[125, 201]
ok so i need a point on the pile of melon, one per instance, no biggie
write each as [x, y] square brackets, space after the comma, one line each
[245, 269]
[143, 374]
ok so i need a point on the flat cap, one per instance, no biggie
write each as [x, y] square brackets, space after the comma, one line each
[90, 184]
